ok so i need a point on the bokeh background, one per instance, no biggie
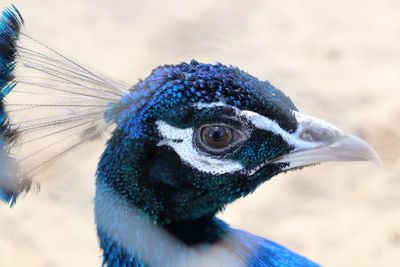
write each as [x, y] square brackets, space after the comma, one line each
[339, 60]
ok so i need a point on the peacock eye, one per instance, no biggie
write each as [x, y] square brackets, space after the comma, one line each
[217, 136]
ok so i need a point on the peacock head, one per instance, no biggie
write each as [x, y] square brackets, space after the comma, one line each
[192, 138]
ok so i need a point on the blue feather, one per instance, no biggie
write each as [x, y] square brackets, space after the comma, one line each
[272, 254]
[10, 25]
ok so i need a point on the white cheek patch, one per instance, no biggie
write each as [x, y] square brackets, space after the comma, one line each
[181, 140]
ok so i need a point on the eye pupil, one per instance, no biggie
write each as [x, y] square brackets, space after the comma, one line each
[216, 137]
[217, 134]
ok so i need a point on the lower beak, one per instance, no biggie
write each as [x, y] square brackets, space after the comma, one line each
[317, 141]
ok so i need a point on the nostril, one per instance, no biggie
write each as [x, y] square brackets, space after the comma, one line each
[318, 134]
[307, 135]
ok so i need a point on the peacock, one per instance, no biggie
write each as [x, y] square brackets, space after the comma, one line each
[182, 144]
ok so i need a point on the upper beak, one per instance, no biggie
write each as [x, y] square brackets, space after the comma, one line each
[317, 141]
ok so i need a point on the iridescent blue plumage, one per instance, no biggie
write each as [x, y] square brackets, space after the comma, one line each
[189, 83]
[10, 24]
[181, 200]
[187, 140]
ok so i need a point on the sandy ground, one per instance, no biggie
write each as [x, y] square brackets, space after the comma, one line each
[339, 60]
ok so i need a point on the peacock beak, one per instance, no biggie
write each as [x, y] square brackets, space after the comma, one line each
[317, 141]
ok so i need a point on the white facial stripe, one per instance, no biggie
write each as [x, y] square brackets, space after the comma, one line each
[181, 141]
[264, 123]
[212, 105]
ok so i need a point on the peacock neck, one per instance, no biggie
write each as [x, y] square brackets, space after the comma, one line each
[128, 236]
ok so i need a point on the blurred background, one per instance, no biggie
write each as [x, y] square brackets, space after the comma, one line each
[339, 60]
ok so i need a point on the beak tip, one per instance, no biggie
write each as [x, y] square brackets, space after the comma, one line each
[367, 151]
[376, 160]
